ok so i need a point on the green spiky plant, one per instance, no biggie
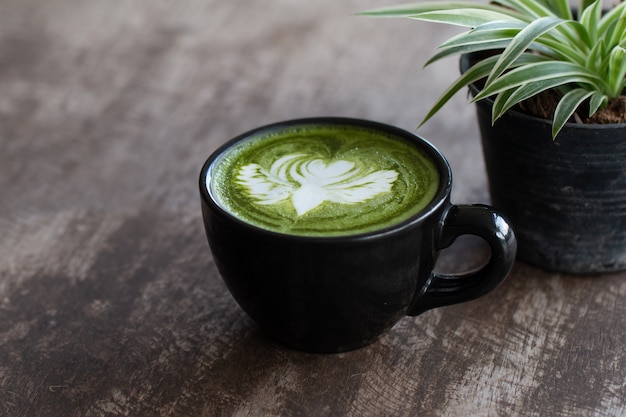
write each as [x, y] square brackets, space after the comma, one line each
[535, 45]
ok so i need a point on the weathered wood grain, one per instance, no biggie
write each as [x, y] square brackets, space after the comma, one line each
[109, 301]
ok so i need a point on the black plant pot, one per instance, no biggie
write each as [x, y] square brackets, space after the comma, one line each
[565, 198]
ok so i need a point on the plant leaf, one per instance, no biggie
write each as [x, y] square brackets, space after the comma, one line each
[486, 33]
[594, 60]
[500, 104]
[615, 26]
[583, 4]
[540, 71]
[520, 42]
[597, 100]
[475, 73]
[498, 35]
[540, 8]
[617, 70]
[533, 8]
[490, 36]
[523, 92]
[560, 50]
[463, 17]
[566, 107]
[495, 45]
[609, 21]
[562, 8]
[413, 9]
[590, 19]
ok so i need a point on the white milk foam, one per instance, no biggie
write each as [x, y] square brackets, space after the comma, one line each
[308, 182]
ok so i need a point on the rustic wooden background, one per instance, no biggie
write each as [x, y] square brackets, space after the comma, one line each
[110, 304]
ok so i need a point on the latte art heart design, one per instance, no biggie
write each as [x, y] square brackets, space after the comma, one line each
[309, 182]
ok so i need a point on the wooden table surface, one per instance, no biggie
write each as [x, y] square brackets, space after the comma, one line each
[110, 304]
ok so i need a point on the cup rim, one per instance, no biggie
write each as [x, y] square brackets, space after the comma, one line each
[441, 196]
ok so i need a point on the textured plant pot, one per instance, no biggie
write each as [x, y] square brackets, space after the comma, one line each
[566, 198]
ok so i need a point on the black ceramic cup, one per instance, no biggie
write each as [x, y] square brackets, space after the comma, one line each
[333, 294]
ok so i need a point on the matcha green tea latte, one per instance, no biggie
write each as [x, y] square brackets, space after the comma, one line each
[323, 180]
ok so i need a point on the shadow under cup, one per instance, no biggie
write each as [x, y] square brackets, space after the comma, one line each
[341, 292]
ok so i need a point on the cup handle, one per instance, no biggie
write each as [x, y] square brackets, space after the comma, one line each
[482, 221]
